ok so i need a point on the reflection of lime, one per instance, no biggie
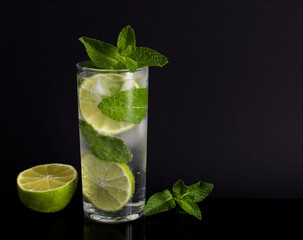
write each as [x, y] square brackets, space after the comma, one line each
[92, 91]
[107, 185]
[47, 188]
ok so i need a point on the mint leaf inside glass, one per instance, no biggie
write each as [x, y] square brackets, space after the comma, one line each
[106, 148]
[126, 106]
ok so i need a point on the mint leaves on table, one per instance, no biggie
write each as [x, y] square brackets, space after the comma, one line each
[159, 202]
[106, 148]
[127, 106]
[189, 206]
[185, 196]
[125, 55]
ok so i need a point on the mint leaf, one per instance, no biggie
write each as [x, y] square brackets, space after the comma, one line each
[103, 55]
[105, 147]
[126, 54]
[189, 206]
[147, 57]
[185, 196]
[179, 189]
[127, 106]
[130, 64]
[126, 43]
[159, 202]
[200, 190]
[89, 64]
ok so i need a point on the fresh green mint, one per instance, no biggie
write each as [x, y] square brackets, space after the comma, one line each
[148, 57]
[127, 106]
[185, 196]
[159, 202]
[125, 55]
[189, 206]
[200, 190]
[103, 55]
[105, 147]
[126, 43]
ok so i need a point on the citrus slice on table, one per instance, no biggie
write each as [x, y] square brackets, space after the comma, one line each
[48, 187]
[91, 92]
[107, 185]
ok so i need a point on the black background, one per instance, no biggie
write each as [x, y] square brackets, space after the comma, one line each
[227, 109]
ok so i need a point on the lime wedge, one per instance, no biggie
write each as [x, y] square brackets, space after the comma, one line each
[48, 187]
[92, 91]
[107, 185]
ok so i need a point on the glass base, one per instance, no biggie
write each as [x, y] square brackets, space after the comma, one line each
[130, 212]
[106, 219]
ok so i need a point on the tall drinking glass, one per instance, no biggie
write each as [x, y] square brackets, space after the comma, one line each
[113, 142]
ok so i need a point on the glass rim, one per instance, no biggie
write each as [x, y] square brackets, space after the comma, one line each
[80, 67]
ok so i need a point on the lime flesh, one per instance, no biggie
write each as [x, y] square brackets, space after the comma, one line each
[91, 93]
[48, 187]
[107, 185]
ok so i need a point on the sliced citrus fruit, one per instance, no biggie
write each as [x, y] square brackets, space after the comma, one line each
[48, 187]
[107, 185]
[92, 90]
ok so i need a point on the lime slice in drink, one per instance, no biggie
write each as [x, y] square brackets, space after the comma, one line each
[48, 187]
[107, 185]
[92, 91]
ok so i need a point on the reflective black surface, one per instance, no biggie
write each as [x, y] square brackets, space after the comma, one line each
[240, 218]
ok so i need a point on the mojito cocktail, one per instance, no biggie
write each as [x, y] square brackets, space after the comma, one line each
[113, 96]
[113, 141]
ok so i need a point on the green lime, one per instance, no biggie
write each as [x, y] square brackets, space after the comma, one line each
[91, 93]
[107, 185]
[48, 187]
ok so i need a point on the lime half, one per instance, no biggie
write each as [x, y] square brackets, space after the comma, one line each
[107, 185]
[91, 93]
[48, 187]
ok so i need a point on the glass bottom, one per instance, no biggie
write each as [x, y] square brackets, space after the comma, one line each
[130, 212]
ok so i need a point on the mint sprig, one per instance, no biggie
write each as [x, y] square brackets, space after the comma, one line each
[125, 55]
[186, 197]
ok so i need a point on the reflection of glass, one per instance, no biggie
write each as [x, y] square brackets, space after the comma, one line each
[113, 190]
[126, 231]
